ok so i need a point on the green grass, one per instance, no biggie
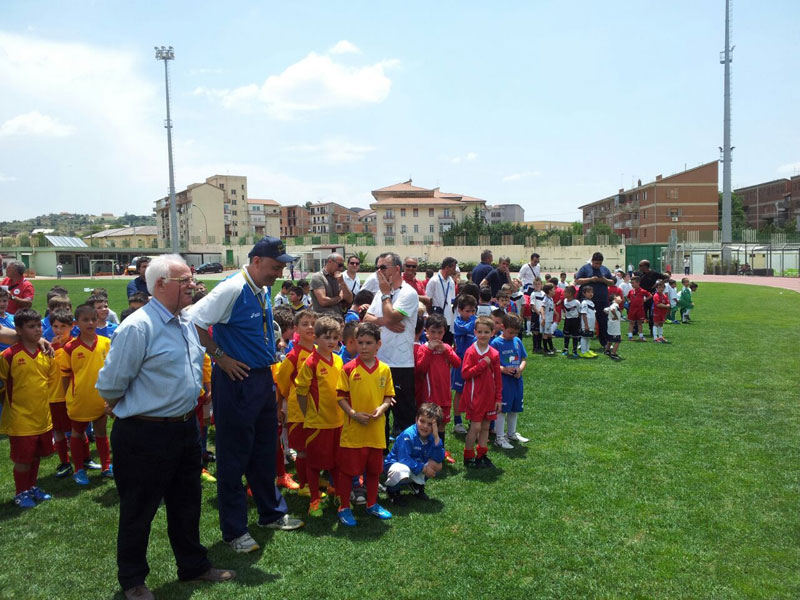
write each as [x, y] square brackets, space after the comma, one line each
[673, 474]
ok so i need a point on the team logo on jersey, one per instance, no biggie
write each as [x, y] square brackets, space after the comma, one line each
[255, 315]
[357, 376]
[383, 381]
[80, 355]
[16, 292]
[323, 371]
[21, 361]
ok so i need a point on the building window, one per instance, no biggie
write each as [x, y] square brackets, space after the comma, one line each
[233, 192]
[403, 229]
[645, 195]
[389, 213]
[415, 212]
[430, 214]
[416, 228]
[431, 226]
[389, 230]
[402, 212]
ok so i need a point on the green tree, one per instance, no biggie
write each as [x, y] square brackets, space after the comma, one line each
[576, 228]
[602, 229]
[738, 216]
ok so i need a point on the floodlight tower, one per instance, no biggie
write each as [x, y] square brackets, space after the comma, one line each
[725, 59]
[166, 54]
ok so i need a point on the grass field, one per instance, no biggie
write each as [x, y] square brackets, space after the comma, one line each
[673, 474]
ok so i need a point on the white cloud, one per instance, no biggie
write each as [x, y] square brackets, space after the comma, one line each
[522, 175]
[317, 82]
[468, 156]
[790, 169]
[344, 47]
[6, 178]
[35, 123]
[334, 150]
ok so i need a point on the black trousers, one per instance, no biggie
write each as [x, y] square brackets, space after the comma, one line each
[404, 412]
[602, 321]
[648, 312]
[154, 461]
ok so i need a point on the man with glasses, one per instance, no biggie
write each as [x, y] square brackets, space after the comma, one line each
[329, 294]
[394, 309]
[243, 392]
[442, 291]
[410, 267]
[350, 276]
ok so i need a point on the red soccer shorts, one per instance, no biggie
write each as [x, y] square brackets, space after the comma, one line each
[297, 437]
[322, 446]
[636, 313]
[58, 412]
[479, 409]
[357, 461]
[26, 448]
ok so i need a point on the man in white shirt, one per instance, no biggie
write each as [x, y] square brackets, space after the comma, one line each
[441, 290]
[528, 272]
[350, 276]
[394, 309]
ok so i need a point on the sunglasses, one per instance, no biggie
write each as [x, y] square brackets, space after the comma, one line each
[383, 267]
[410, 266]
[355, 262]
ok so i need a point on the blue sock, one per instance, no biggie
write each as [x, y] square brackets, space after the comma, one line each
[457, 419]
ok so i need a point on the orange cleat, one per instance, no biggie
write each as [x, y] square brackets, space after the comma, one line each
[448, 458]
[287, 481]
[249, 491]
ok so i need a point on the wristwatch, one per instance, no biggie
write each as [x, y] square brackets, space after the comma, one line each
[386, 297]
[218, 352]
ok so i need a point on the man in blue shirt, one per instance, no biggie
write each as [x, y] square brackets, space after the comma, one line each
[140, 283]
[151, 380]
[597, 276]
[243, 392]
[483, 268]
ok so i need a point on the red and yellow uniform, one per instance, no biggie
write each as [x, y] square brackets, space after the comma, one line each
[365, 389]
[58, 398]
[81, 364]
[28, 382]
[284, 380]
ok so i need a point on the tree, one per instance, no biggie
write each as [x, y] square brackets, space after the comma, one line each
[602, 229]
[576, 228]
[738, 216]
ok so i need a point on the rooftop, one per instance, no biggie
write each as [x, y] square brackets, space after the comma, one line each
[123, 231]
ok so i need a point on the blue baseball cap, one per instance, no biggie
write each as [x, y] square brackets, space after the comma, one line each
[271, 247]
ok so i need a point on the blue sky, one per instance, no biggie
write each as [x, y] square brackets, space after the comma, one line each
[547, 104]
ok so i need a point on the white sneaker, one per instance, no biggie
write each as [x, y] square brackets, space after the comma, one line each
[515, 437]
[459, 428]
[244, 544]
[502, 442]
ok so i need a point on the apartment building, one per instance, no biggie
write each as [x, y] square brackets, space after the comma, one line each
[295, 221]
[775, 202]
[265, 217]
[504, 213]
[368, 219]
[409, 214]
[330, 217]
[686, 202]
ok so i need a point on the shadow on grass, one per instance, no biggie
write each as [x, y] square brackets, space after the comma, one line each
[9, 510]
[413, 505]
[108, 498]
[484, 475]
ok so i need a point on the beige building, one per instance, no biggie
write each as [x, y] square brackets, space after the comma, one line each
[265, 217]
[504, 213]
[145, 236]
[411, 215]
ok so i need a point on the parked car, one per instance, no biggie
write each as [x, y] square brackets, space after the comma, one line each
[210, 267]
[131, 269]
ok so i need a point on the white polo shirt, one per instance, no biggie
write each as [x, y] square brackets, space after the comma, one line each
[397, 349]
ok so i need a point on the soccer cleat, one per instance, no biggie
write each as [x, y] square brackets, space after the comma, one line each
[396, 497]
[304, 491]
[642, 338]
[516, 437]
[565, 352]
[287, 481]
[63, 470]
[470, 463]
[315, 508]
[209, 457]
[205, 475]
[574, 355]
[550, 353]
[419, 491]
[448, 458]
[90, 465]
[24, 500]
[485, 462]
[615, 357]
[80, 477]
[108, 473]
[284, 523]
[244, 544]
[607, 352]
[346, 517]
[376, 510]
[358, 496]
[502, 442]
[39, 494]
[459, 428]
[592, 354]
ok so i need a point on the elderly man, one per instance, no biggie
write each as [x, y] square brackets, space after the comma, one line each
[20, 289]
[499, 276]
[441, 290]
[151, 380]
[597, 276]
[394, 310]
[350, 276]
[528, 272]
[139, 284]
[243, 394]
[328, 291]
[480, 272]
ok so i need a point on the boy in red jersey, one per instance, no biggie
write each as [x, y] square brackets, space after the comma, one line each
[81, 361]
[60, 324]
[636, 298]
[483, 392]
[440, 357]
[661, 308]
[304, 322]
[365, 391]
[316, 394]
[28, 377]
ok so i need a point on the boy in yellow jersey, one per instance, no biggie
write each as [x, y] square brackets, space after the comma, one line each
[81, 361]
[304, 322]
[60, 324]
[316, 394]
[366, 392]
[28, 377]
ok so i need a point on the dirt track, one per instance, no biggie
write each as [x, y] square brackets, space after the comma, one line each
[787, 283]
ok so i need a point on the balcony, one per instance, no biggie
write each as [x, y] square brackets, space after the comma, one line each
[388, 218]
[447, 219]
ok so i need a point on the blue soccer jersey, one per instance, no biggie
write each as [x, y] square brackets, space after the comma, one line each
[512, 352]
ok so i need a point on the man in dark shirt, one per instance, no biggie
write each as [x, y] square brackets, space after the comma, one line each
[139, 284]
[598, 277]
[647, 281]
[484, 268]
[497, 277]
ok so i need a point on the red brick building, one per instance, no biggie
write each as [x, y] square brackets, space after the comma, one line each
[775, 202]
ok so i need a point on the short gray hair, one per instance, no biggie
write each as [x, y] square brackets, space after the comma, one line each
[18, 266]
[158, 269]
[395, 258]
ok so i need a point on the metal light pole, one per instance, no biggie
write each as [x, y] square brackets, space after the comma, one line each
[725, 59]
[166, 54]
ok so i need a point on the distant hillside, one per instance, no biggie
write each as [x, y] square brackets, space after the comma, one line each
[74, 225]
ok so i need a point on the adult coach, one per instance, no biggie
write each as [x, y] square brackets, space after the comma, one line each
[243, 394]
[151, 379]
[395, 310]
[350, 276]
[499, 276]
[139, 283]
[484, 268]
[328, 291]
[597, 276]
[441, 290]
[528, 272]
[20, 289]
[648, 280]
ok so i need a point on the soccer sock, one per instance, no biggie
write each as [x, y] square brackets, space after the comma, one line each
[482, 450]
[333, 479]
[512, 422]
[344, 486]
[574, 344]
[566, 343]
[457, 420]
[61, 448]
[76, 448]
[103, 451]
[584, 345]
[500, 424]
[87, 453]
[33, 474]
[21, 481]
[469, 453]
[372, 489]
[313, 484]
[280, 468]
[301, 469]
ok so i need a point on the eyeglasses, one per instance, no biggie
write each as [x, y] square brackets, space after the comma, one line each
[355, 263]
[186, 280]
[410, 266]
[340, 265]
[383, 267]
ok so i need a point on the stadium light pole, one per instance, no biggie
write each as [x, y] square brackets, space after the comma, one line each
[166, 54]
[725, 59]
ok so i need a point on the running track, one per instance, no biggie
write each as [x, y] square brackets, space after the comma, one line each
[787, 283]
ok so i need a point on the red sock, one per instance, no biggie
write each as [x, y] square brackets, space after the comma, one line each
[104, 451]
[313, 483]
[469, 453]
[33, 474]
[372, 489]
[61, 448]
[280, 468]
[343, 487]
[76, 447]
[482, 450]
[301, 468]
[87, 452]
[21, 481]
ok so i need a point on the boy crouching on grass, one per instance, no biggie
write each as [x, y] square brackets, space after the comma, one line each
[416, 456]
[26, 414]
[366, 392]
